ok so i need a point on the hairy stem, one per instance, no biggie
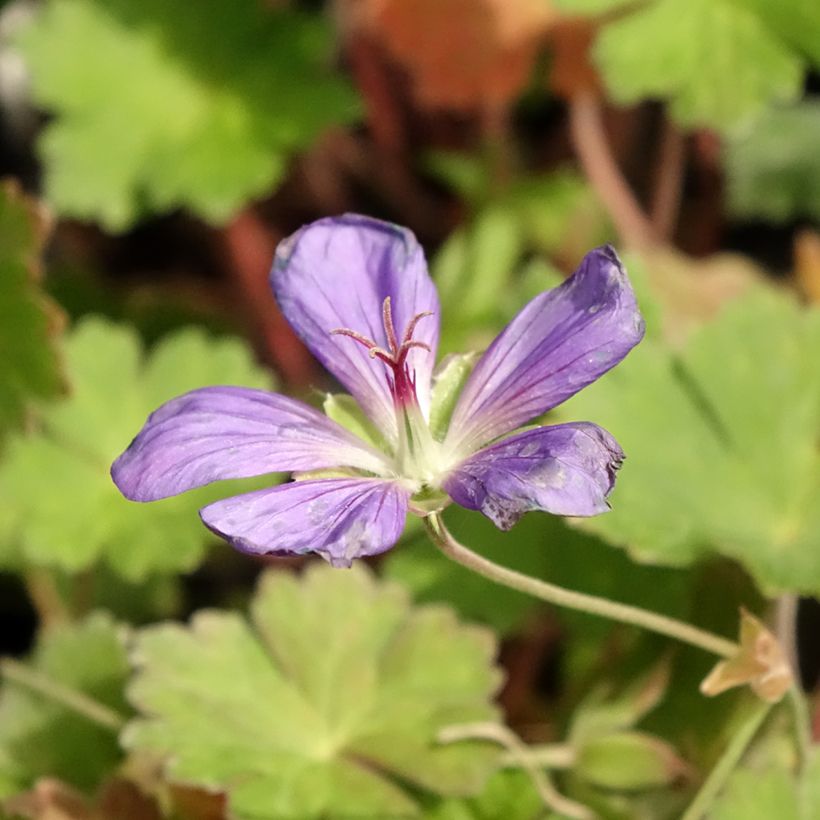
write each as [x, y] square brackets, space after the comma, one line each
[78, 702]
[802, 724]
[519, 753]
[592, 147]
[591, 604]
[725, 766]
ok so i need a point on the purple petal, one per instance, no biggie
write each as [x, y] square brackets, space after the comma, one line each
[341, 519]
[232, 432]
[336, 273]
[560, 342]
[567, 469]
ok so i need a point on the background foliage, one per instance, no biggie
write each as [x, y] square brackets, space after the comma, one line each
[155, 156]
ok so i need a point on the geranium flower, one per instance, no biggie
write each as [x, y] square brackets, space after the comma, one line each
[358, 293]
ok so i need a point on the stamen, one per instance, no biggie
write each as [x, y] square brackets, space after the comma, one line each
[389, 329]
[360, 338]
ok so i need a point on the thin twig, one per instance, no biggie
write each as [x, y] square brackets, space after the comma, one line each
[668, 180]
[594, 153]
[78, 702]
[518, 751]
[580, 601]
[726, 765]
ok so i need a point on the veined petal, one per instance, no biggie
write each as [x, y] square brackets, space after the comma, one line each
[341, 519]
[566, 469]
[336, 273]
[560, 342]
[233, 432]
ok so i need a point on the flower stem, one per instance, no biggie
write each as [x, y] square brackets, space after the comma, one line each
[591, 604]
[725, 766]
[78, 702]
[46, 598]
[802, 724]
[519, 752]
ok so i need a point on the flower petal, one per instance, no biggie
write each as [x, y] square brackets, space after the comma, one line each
[232, 432]
[566, 469]
[336, 273]
[341, 519]
[560, 342]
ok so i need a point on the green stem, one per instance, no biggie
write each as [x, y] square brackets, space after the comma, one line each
[520, 753]
[802, 724]
[591, 604]
[725, 766]
[78, 702]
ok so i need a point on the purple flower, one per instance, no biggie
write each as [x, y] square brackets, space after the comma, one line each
[358, 293]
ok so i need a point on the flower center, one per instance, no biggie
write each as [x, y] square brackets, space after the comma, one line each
[417, 454]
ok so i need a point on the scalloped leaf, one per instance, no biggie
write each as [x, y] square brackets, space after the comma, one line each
[58, 505]
[29, 369]
[157, 107]
[718, 62]
[331, 697]
[39, 735]
[721, 444]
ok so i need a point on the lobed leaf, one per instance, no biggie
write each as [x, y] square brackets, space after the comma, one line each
[58, 505]
[29, 369]
[158, 108]
[330, 698]
[42, 737]
[721, 444]
[719, 62]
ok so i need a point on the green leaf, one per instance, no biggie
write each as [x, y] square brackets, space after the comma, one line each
[157, 107]
[39, 735]
[345, 410]
[773, 170]
[628, 761]
[28, 361]
[796, 21]
[58, 505]
[718, 62]
[721, 444]
[508, 794]
[331, 698]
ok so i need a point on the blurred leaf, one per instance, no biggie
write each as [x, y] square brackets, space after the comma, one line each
[39, 736]
[58, 505]
[628, 761]
[508, 794]
[754, 794]
[331, 696]
[539, 545]
[448, 380]
[158, 107]
[28, 320]
[480, 55]
[718, 62]
[721, 444]
[773, 169]
[796, 21]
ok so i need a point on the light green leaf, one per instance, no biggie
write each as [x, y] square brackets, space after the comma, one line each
[508, 794]
[756, 795]
[28, 361]
[58, 505]
[718, 62]
[330, 699]
[448, 381]
[773, 169]
[796, 21]
[39, 735]
[157, 107]
[345, 410]
[721, 444]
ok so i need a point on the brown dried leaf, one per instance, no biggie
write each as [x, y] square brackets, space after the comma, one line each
[760, 662]
[460, 54]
